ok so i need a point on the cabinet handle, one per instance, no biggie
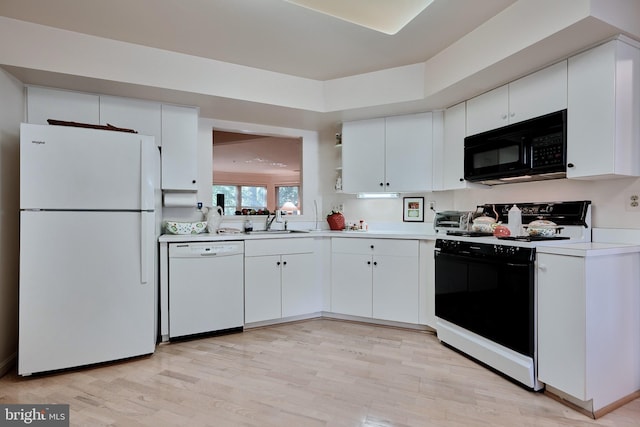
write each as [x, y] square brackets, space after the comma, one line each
[371, 246]
[512, 115]
[542, 267]
[368, 262]
[284, 263]
[503, 117]
[461, 179]
[278, 263]
[570, 165]
[381, 185]
[193, 181]
[388, 184]
[375, 263]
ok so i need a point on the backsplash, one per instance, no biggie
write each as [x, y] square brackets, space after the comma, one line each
[609, 198]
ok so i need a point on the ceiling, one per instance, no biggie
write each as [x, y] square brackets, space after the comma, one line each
[242, 153]
[463, 47]
[273, 35]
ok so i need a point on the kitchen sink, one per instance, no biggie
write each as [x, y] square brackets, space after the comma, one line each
[276, 231]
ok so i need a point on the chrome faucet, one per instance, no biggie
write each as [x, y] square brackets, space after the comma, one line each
[277, 217]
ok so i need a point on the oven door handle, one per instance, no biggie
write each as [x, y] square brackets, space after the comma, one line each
[469, 257]
[512, 264]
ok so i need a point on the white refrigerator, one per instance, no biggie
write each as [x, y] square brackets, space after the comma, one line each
[88, 232]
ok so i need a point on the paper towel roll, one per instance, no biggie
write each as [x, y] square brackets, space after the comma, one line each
[180, 200]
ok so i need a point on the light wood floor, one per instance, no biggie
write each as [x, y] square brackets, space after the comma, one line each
[311, 373]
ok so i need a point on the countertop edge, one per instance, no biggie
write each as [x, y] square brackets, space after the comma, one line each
[207, 237]
[590, 249]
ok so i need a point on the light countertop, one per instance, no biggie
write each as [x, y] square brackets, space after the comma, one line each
[206, 237]
[590, 249]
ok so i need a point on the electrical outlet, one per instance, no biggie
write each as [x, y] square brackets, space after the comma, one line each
[632, 202]
[432, 205]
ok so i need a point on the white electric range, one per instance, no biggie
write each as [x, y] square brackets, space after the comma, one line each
[486, 287]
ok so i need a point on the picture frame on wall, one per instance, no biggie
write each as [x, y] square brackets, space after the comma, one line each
[413, 209]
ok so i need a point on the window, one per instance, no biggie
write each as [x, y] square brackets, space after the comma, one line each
[257, 171]
[288, 199]
[239, 197]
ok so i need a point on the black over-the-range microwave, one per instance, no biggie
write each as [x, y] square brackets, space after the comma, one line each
[531, 150]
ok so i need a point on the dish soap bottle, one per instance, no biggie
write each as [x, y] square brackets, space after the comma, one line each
[514, 222]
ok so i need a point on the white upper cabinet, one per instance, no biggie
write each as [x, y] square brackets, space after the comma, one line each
[179, 148]
[44, 103]
[408, 152]
[488, 111]
[537, 94]
[453, 148]
[142, 116]
[363, 155]
[388, 154]
[603, 135]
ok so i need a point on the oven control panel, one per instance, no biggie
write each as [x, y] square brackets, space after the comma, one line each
[484, 250]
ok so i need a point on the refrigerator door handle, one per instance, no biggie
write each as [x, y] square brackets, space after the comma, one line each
[147, 192]
[146, 235]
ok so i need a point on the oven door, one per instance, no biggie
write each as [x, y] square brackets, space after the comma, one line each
[489, 296]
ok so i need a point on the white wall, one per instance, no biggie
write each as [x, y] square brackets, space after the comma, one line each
[11, 114]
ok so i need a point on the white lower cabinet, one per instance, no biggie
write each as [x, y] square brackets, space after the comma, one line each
[351, 288]
[375, 278]
[588, 320]
[279, 279]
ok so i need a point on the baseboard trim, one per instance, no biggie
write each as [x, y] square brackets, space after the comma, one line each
[585, 410]
[7, 364]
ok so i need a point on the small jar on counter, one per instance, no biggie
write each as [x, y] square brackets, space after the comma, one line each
[248, 225]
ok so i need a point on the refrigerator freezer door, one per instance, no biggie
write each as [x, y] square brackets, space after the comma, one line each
[81, 296]
[85, 169]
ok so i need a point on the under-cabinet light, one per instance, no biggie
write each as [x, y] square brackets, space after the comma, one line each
[378, 195]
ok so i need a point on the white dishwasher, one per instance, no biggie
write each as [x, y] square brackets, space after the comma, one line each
[206, 287]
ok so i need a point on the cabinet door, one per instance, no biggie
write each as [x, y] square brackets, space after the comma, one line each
[395, 288]
[145, 117]
[44, 104]
[453, 150]
[300, 295]
[179, 147]
[562, 323]
[363, 156]
[537, 94]
[488, 111]
[603, 105]
[408, 153]
[262, 293]
[351, 284]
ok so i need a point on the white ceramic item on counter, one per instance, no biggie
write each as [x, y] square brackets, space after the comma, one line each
[176, 227]
[515, 221]
[213, 216]
[542, 227]
[484, 224]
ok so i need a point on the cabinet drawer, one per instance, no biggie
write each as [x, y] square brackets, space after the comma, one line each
[396, 247]
[278, 246]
